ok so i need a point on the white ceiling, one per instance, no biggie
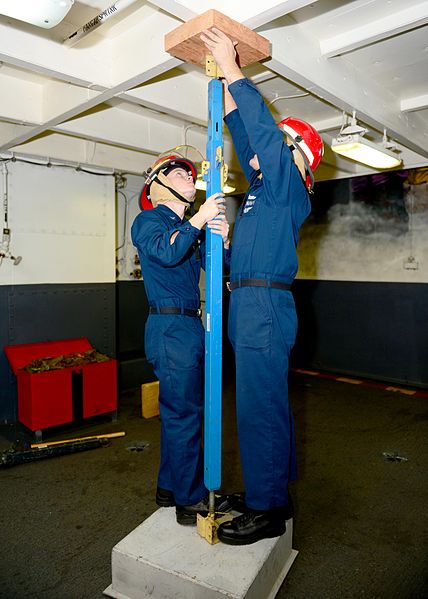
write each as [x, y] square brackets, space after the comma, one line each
[115, 99]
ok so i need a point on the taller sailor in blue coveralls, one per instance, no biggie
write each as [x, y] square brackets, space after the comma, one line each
[172, 252]
[262, 316]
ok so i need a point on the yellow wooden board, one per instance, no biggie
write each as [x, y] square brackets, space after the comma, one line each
[150, 399]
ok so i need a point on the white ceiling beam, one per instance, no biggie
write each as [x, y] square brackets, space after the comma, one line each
[297, 58]
[190, 92]
[176, 9]
[128, 130]
[279, 10]
[413, 104]
[375, 31]
[96, 99]
[334, 122]
[10, 129]
[248, 13]
[40, 55]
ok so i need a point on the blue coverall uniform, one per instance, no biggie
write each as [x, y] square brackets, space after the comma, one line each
[262, 320]
[174, 344]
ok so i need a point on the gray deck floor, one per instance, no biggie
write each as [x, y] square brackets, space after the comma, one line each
[361, 519]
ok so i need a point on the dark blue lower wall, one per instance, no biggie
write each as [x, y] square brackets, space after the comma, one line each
[132, 312]
[374, 330]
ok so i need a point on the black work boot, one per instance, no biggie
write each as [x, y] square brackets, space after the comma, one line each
[186, 514]
[234, 502]
[252, 526]
[164, 498]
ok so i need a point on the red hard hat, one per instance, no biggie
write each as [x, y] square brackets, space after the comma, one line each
[159, 165]
[307, 138]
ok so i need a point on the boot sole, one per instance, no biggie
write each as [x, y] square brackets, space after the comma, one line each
[249, 540]
[161, 503]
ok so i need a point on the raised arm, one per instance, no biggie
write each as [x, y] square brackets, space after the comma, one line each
[264, 137]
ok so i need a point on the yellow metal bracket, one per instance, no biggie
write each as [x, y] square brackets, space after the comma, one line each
[205, 166]
[211, 67]
[208, 527]
[224, 170]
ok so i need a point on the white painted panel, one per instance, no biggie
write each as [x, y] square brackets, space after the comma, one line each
[62, 224]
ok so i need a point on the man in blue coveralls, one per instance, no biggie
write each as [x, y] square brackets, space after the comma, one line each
[172, 252]
[262, 316]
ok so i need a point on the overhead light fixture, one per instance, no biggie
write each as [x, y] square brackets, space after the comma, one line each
[43, 13]
[352, 144]
[202, 186]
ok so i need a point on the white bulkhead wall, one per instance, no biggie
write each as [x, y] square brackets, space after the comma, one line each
[62, 223]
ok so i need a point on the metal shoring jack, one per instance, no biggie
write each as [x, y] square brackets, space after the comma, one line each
[214, 173]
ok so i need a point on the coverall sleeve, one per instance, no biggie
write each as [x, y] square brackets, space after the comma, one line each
[241, 142]
[266, 139]
[151, 237]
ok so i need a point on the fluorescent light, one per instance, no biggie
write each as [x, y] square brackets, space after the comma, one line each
[43, 13]
[202, 186]
[357, 148]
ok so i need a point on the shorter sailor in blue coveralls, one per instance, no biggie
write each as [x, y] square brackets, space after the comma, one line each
[172, 252]
[262, 316]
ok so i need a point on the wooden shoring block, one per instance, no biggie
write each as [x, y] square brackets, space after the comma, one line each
[150, 399]
[184, 42]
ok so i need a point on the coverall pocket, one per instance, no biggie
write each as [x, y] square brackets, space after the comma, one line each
[184, 342]
[251, 322]
[246, 229]
[285, 318]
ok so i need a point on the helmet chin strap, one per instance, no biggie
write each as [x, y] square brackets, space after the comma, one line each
[295, 146]
[161, 180]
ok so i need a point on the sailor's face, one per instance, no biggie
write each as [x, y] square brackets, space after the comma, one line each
[183, 182]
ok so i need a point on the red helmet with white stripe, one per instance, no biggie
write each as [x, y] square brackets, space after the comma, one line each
[307, 141]
[162, 164]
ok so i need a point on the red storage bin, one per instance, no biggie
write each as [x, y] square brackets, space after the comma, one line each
[45, 399]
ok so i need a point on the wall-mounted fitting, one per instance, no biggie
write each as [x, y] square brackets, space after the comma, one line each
[410, 263]
[136, 273]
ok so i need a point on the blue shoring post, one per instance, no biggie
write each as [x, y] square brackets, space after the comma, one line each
[214, 276]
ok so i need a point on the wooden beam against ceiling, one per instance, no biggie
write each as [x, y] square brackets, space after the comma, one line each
[375, 31]
[184, 41]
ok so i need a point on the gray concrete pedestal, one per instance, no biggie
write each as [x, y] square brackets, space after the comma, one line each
[162, 560]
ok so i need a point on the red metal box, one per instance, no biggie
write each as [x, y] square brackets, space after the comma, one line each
[45, 399]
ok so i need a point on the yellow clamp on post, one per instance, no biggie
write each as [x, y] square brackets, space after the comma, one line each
[224, 171]
[224, 174]
[205, 166]
[211, 67]
[208, 527]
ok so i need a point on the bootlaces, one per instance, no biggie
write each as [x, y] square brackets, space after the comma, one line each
[245, 517]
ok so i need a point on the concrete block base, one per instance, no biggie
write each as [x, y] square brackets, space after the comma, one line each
[162, 560]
